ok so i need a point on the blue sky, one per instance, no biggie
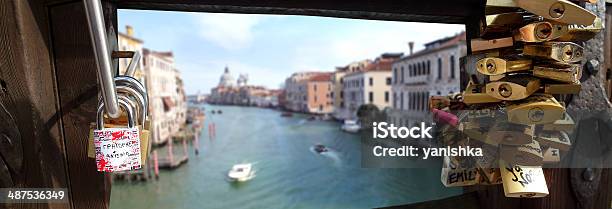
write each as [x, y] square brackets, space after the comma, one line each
[270, 47]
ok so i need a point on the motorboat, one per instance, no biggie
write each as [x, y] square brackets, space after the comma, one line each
[351, 126]
[319, 148]
[241, 172]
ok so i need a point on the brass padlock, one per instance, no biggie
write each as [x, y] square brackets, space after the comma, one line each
[555, 139]
[562, 11]
[512, 88]
[500, 23]
[498, 66]
[540, 32]
[566, 52]
[475, 94]
[581, 32]
[568, 73]
[479, 44]
[523, 181]
[562, 88]
[511, 133]
[529, 154]
[536, 109]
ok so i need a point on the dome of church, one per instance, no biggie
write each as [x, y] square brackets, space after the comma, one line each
[227, 80]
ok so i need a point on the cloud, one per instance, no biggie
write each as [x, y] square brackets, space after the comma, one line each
[229, 31]
[366, 40]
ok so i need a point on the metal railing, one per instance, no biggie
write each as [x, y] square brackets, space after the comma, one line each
[95, 18]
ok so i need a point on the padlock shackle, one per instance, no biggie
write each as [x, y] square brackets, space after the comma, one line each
[134, 83]
[141, 105]
[131, 69]
[123, 104]
[140, 99]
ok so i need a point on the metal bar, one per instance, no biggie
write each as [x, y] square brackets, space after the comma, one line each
[95, 18]
[131, 69]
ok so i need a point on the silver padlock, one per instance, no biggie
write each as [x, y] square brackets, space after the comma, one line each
[117, 149]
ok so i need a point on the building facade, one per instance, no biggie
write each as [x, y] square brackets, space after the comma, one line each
[340, 111]
[431, 71]
[239, 92]
[127, 42]
[318, 94]
[372, 85]
[167, 102]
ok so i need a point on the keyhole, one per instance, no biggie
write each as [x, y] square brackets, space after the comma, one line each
[557, 10]
[490, 66]
[505, 90]
[543, 31]
[568, 53]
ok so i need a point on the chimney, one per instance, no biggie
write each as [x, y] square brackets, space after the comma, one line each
[129, 30]
[411, 46]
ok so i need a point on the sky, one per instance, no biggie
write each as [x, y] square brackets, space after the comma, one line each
[269, 48]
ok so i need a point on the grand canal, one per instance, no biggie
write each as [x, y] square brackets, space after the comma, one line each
[288, 173]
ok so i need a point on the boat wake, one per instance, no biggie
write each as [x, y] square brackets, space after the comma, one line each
[331, 154]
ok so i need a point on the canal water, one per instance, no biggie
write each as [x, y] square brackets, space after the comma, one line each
[288, 173]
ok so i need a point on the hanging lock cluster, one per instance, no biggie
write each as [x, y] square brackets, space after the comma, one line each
[527, 52]
[122, 144]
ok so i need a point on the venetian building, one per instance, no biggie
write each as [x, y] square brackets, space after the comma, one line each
[226, 80]
[243, 80]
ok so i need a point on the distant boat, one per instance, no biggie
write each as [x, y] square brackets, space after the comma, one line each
[350, 126]
[286, 114]
[319, 148]
[241, 172]
[311, 118]
[219, 112]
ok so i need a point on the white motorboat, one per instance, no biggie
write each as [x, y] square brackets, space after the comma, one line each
[241, 172]
[350, 126]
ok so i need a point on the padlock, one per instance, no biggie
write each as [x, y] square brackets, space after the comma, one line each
[551, 155]
[555, 139]
[536, 109]
[562, 88]
[479, 44]
[512, 88]
[529, 154]
[566, 52]
[581, 32]
[565, 124]
[562, 11]
[117, 149]
[568, 73]
[511, 133]
[475, 94]
[453, 175]
[540, 32]
[498, 66]
[523, 181]
[500, 23]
